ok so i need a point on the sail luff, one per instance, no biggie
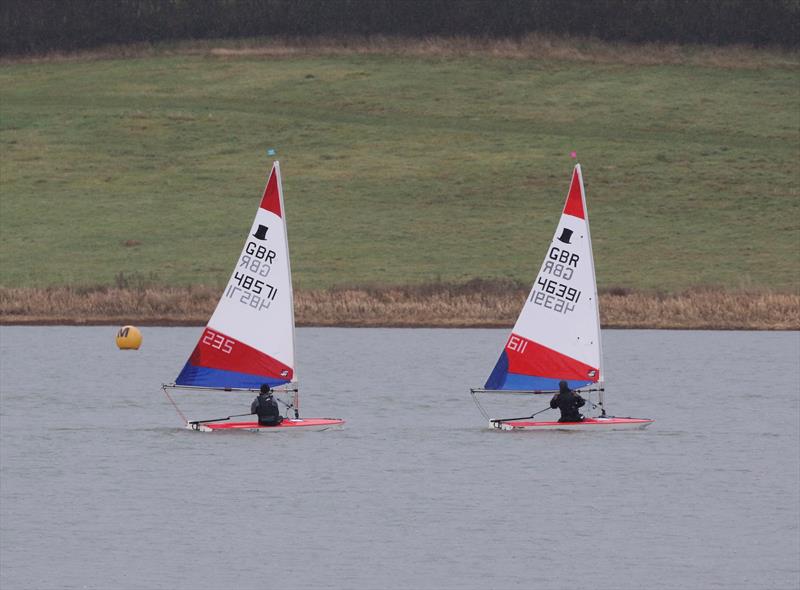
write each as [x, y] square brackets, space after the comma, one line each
[277, 167]
[594, 280]
[296, 397]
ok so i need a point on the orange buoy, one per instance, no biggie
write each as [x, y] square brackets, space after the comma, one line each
[129, 338]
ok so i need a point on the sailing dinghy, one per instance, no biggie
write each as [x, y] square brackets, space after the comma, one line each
[557, 334]
[250, 338]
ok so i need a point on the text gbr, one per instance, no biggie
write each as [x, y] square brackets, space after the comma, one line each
[555, 295]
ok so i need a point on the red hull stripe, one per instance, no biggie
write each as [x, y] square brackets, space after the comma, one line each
[284, 424]
[587, 421]
[218, 351]
[526, 357]
[271, 200]
[574, 204]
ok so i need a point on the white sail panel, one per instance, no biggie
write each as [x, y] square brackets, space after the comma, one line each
[256, 305]
[561, 310]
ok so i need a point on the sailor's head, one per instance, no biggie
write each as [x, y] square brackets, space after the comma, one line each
[265, 389]
[562, 386]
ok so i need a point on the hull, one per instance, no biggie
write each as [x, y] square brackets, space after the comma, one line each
[609, 423]
[288, 425]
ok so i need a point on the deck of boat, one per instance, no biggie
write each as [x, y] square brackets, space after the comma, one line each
[608, 423]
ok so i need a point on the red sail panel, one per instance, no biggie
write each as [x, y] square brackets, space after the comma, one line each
[574, 204]
[271, 200]
[526, 357]
[218, 351]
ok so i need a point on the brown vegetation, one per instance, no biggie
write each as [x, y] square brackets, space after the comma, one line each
[533, 46]
[473, 304]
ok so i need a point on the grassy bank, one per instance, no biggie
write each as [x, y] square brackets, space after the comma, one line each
[474, 304]
[530, 47]
[403, 163]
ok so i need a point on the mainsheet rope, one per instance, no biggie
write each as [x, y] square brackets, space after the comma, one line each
[174, 405]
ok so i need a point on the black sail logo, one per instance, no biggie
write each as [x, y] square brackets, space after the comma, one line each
[565, 236]
[261, 232]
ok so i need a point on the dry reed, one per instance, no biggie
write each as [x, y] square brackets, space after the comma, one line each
[473, 304]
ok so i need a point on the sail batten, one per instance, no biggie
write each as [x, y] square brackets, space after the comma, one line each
[249, 339]
[557, 334]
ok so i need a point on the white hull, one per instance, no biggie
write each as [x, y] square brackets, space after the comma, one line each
[288, 425]
[593, 424]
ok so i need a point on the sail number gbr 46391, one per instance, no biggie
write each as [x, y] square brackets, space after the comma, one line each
[551, 293]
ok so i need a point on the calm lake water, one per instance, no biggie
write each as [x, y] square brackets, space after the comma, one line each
[100, 487]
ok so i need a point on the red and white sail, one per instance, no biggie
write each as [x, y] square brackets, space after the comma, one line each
[249, 339]
[557, 334]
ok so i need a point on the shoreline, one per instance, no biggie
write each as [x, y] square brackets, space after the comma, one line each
[476, 304]
[538, 46]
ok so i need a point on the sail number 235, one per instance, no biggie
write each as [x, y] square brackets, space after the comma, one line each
[217, 341]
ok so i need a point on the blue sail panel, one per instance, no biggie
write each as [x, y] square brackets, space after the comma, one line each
[206, 377]
[503, 379]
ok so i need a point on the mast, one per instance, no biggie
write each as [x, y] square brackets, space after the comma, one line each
[601, 397]
[296, 400]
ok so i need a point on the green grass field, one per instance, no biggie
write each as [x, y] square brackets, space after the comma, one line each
[398, 169]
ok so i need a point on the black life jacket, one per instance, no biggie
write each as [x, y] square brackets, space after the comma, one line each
[267, 410]
[568, 402]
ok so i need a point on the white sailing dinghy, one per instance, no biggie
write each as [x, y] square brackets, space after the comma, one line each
[557, 334]
[249, 340]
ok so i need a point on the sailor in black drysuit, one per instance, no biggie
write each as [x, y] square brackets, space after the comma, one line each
[266, 408]
[568, 402]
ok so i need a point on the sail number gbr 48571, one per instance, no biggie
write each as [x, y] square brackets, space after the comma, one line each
[552, 293]
[248, 289]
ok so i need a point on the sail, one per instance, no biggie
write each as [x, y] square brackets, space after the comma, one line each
[249, 339]
[557, 334]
